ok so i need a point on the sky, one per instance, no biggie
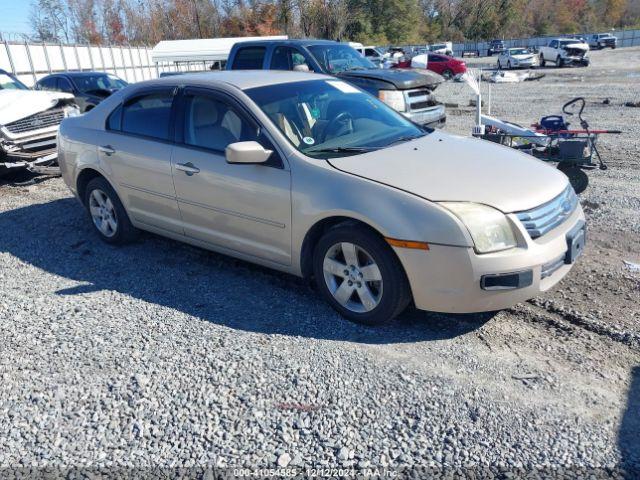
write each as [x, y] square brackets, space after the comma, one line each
[14, 16]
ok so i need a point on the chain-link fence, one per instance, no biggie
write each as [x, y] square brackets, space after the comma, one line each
[626, 38]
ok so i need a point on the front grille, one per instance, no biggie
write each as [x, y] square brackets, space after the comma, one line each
[548, 216]
[38, 121]
[419, 99]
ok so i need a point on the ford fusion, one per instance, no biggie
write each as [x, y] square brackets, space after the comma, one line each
[309, 175]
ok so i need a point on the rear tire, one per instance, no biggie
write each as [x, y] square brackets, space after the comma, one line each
[359, 275]
[109, 218]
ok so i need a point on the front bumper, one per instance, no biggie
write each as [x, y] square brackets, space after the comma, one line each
[453, 279]
[435, 116]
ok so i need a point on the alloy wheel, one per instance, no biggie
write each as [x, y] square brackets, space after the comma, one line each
[352, 277]
[103, 213]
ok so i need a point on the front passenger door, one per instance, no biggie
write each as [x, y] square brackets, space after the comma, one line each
[243, 208]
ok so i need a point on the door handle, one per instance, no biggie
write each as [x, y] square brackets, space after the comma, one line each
[188, 168]
[107, 150]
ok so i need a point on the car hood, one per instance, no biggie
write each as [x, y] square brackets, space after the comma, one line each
[400, 79]
[17, 104]
[523, 56]
[444, 167]
[577, 45]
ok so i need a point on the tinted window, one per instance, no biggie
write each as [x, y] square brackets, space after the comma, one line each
[286, 58]
[148, 115]
[435, 58]
[249, 58]
[370, 52]
[114, 122]
[213, 124]
[48, 83]
[64, 85]
[90, 83]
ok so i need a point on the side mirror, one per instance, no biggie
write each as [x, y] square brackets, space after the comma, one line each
[303, 67]
[247, 152]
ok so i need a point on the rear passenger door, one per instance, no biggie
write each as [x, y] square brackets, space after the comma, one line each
[135, 150]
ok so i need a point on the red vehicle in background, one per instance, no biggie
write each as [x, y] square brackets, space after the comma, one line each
[445, 65]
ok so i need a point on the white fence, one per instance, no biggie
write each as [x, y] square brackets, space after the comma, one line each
[32, 61]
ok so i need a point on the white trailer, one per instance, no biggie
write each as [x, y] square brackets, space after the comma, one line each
[199, 54]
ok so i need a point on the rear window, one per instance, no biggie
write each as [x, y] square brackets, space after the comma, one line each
[148, 115]
[249, 58]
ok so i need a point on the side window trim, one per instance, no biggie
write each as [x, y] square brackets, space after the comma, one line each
[241, 110]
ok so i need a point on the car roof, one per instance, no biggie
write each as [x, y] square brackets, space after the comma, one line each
[291, 42]
[79, 74]
[243, 79]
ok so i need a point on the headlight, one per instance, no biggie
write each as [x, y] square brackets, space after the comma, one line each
[489, 228]
[393, 98]
[71, 111]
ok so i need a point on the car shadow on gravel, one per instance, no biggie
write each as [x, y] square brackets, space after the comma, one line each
[629, 433]
[57, 237]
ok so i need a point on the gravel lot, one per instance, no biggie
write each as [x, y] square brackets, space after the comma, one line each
[163, 355]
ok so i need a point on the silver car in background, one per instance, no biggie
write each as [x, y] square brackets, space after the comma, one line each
[309, 175]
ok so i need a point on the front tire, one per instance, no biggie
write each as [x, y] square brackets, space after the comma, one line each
[447, 74]
[359, 275]
[109, 218]
[508, 64]
[542, 61]
[559, 62]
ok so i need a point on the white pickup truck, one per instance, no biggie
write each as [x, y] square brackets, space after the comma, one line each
[565, 51]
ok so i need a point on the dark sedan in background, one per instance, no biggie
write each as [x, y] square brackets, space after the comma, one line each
[89, 88]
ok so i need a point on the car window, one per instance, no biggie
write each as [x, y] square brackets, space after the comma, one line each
[92, 83]
[553, 44]
[64, 85]
[336, 58]
[114, 122]
[9, 82]
[435, 58]
[148, 115]
[370, 52]
[324, 118]
[48, 83]
[286, 58]
[249, 58]
[213, 124]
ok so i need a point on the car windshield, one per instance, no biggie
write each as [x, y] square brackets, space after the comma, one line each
[330, 118]
[7, 82]
[518, 51]
[339, 58]
[88, 83]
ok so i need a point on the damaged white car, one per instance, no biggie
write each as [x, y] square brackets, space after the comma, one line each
[29, 122]
[565, 51]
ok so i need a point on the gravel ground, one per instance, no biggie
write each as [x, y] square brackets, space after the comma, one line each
[163, 355]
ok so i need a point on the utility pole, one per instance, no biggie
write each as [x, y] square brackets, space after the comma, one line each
[195, 9]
